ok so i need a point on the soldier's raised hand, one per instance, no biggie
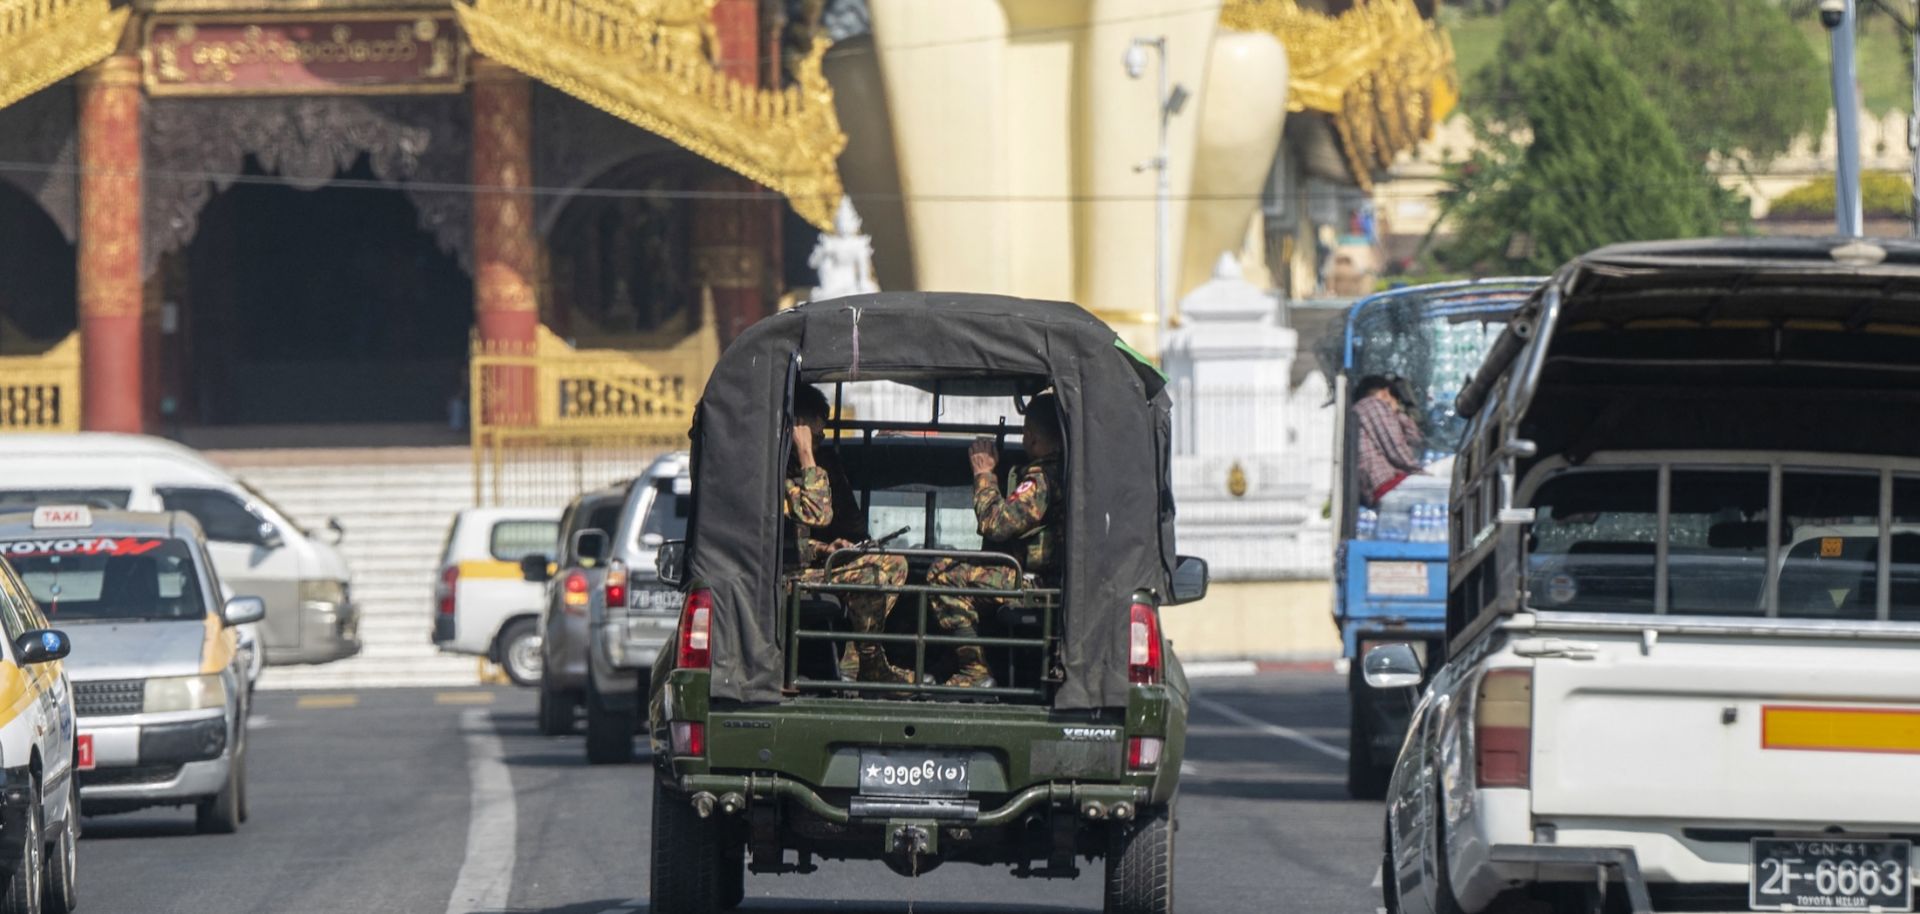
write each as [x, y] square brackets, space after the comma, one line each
[982, 455]
[803, 444]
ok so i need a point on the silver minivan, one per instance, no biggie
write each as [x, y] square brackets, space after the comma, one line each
[159, 683]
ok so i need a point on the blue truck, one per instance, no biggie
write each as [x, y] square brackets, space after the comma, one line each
[1390, 564]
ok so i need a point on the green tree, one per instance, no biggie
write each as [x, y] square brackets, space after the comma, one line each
[1735, 78]
[1596, 164]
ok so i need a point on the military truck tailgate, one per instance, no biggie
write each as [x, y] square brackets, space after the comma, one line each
[1005, 748]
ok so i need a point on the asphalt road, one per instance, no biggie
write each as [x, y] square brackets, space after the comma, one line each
[373, 801]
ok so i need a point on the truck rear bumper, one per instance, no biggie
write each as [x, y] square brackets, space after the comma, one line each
[1549, 861]
[1092, 801]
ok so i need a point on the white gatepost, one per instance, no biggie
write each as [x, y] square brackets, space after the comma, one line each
[1246, 474]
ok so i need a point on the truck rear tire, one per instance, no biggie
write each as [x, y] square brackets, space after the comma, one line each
[556, 711]
[518, 651]
[26, 885]
[1140, 864]
[609, 732]
[685, 869]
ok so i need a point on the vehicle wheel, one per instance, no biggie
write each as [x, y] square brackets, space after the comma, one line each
[26, 887]
[556, 711]
[519, 652]
[733, 870]
[685, 875]
[1389, 883]
[1365, 779]
[609, 732]
[1140, 864]
[220, 814]
[63, 887]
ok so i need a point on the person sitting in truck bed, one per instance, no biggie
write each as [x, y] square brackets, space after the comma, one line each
[820, 501]
[1027, 515]
[1389, 441]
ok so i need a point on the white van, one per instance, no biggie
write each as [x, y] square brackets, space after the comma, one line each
[257, 549]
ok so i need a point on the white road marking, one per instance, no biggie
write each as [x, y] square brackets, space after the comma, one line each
[1275, 730]
[1208, 669]
[1188, 769]
[1377, 873]
[617, 911]
[486, 875]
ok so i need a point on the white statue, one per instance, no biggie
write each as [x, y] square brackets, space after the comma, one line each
[843, 259]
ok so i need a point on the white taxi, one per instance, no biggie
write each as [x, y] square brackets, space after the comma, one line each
[159, 686]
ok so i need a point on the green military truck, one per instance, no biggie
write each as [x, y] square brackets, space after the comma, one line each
[770, 754]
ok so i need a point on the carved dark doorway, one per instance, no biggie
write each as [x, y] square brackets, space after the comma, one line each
[37, 304]
[319, 306]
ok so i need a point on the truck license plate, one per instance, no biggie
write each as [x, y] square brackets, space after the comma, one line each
[1397, 579]
[907, 773]
[1831, 874]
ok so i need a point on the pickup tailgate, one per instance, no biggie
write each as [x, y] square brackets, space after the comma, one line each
[1712, 723]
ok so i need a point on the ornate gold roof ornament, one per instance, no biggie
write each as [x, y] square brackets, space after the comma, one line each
[651, 63]
[1383, 72]
[45, 41]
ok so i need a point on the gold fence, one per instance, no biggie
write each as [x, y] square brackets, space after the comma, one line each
[550, 421]
[41, 393]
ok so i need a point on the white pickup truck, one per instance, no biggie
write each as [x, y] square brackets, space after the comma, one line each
[1684, 615]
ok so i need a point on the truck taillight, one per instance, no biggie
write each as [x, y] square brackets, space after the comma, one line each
[616, 584]
[1143, 646]
[1503, 728]
[1143, 753]
[689, 737]
[449, 583]
[573, 592]
[696, 631]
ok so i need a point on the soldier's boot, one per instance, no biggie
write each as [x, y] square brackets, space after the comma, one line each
[875, 667]
[972, 672]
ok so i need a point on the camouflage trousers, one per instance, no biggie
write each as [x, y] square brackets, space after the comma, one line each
[867, 611]
[953, 612]
[959, 616]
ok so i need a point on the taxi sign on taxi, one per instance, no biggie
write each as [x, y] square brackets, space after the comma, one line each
[62, 516]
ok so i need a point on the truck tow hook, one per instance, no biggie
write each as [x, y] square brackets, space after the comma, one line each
[1121, 811]
[1093, 810]
[732, 803]
[703, 804]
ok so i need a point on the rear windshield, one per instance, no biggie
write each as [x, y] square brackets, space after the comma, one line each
[114, 499]
[513, 540]
[1789, 542]
[127, 578]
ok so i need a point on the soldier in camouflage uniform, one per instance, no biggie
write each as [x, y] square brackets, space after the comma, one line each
[819, 500]
[1025, 517]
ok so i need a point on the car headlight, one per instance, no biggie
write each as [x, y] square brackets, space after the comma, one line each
[185, 693]
[328, 593]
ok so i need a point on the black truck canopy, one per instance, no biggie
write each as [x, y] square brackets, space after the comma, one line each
[1114, 410]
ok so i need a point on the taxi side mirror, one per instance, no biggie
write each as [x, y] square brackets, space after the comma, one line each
[670, 563]
[1391, 666]
[1189, 580]
[242, 610]
[536, 569]
[41, 645]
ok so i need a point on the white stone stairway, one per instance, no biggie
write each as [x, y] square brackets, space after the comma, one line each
[396, 505]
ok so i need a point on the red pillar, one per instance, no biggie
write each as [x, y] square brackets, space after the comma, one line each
[731, 237]
[110, 290]
[504, 254]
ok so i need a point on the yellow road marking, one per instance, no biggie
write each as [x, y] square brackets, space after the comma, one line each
[328, 701]
[463, 698]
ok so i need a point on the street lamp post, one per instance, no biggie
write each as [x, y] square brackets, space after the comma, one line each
[1838, 17]
[1168, 101]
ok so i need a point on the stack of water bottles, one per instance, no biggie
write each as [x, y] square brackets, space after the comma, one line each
[1415, 511]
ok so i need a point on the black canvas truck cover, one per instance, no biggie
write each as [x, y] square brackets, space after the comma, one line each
[1114, 409]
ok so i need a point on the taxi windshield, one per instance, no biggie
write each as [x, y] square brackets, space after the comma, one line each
[107, 578]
